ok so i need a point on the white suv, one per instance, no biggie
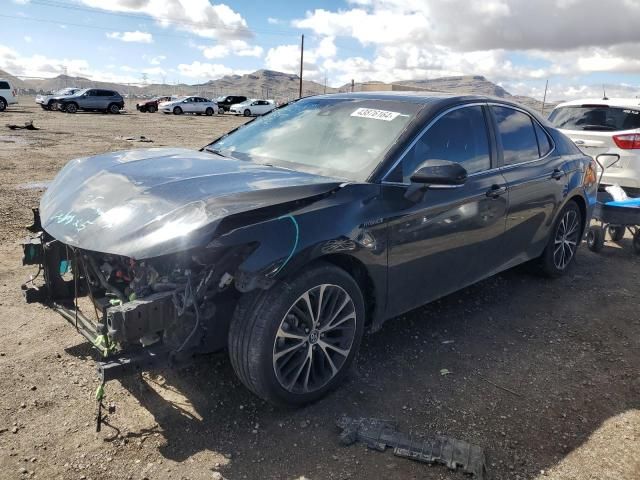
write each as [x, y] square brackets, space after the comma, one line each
[606, 126]
[7, 95]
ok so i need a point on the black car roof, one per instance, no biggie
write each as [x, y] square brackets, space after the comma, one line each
[434, 100]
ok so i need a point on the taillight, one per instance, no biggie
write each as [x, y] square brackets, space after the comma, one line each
[590, 176]
[15, 92]
[627, 141]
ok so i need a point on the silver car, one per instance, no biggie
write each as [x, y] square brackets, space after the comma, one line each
[197, 105]
[48, 102]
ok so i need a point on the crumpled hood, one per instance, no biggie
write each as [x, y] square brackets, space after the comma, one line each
[150, 202]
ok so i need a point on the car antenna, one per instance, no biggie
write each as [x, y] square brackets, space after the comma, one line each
[604, 92]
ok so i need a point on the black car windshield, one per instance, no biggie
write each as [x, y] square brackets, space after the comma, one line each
[338, 137]
[597, 118]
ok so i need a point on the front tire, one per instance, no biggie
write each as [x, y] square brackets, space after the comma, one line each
[177, 111]
[70, 107]
[209, 111]
[293, 343]
[563, 243]
[113, 108]
[247, 113]
[151, 109]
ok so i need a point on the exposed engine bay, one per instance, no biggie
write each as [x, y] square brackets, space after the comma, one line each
[169, 304]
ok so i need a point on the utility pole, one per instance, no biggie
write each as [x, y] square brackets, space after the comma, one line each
[353, 84]
[301, 62]
[325, 82]
[544, 99]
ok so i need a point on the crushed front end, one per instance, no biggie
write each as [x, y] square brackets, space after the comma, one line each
[136, 312]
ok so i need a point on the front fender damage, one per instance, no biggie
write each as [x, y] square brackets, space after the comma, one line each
[170, 307]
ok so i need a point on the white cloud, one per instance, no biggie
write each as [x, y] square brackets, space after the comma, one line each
[157, 60]
[137, 36]
[286, 58]
[428, 38]
[229, 47]
[199, 17]
[27, 38]
[39, 65]
[210, 71]
[274, 21]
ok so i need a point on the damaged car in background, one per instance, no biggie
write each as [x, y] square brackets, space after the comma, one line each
[286, 239]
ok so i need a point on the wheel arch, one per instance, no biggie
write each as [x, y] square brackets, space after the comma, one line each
[582, 205]
[359, 272]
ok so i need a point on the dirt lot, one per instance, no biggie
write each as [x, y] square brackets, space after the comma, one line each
[543, 374]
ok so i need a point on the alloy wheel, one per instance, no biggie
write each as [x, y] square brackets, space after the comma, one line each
[566, 240]
[314, 339]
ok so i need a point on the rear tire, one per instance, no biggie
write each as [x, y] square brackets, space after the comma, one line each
[70, 107]
[3, 104]
[280, 352]
[563, 243]
[151, 109]
[177, 111]
[595, 239]
[247, 113]
[209, 111]
[616, 233]
[221, 111]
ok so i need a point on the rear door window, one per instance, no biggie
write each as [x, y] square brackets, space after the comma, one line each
[518, 136]
[4, 86]
[596, 118]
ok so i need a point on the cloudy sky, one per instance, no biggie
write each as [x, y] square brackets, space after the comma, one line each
[577, 44]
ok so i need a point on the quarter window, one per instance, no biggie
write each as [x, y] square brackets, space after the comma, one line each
[459, 136]
[544, 145]
[4, 86]
[518, 136]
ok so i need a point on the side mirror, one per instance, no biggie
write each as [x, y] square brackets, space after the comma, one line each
[435, 173]
[440, 172]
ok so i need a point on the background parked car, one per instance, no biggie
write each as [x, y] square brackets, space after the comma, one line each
[151, 106]
[225, 102]
[92, 99]
[253, 107]
[7, 95]
[197, 105]
[49, 102]
[606, 126]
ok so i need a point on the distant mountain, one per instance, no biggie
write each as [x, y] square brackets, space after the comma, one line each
[468, 84]
[14, 81]
[278, 85]
[459, 85]
[265, 83]
[262, 83]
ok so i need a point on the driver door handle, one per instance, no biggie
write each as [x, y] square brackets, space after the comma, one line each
[557, 174]
[496, 191]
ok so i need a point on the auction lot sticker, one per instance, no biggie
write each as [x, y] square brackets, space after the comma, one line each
[385, 115]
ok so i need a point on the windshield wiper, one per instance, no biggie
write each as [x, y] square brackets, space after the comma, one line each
[216, 152]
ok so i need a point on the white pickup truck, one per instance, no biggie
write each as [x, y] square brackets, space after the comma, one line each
[7, 95]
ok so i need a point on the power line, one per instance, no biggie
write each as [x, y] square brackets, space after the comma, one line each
[164, 20]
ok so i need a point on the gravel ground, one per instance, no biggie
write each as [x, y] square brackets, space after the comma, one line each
[543, 374]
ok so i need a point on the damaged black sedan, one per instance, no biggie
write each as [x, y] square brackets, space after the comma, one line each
[284, 240]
